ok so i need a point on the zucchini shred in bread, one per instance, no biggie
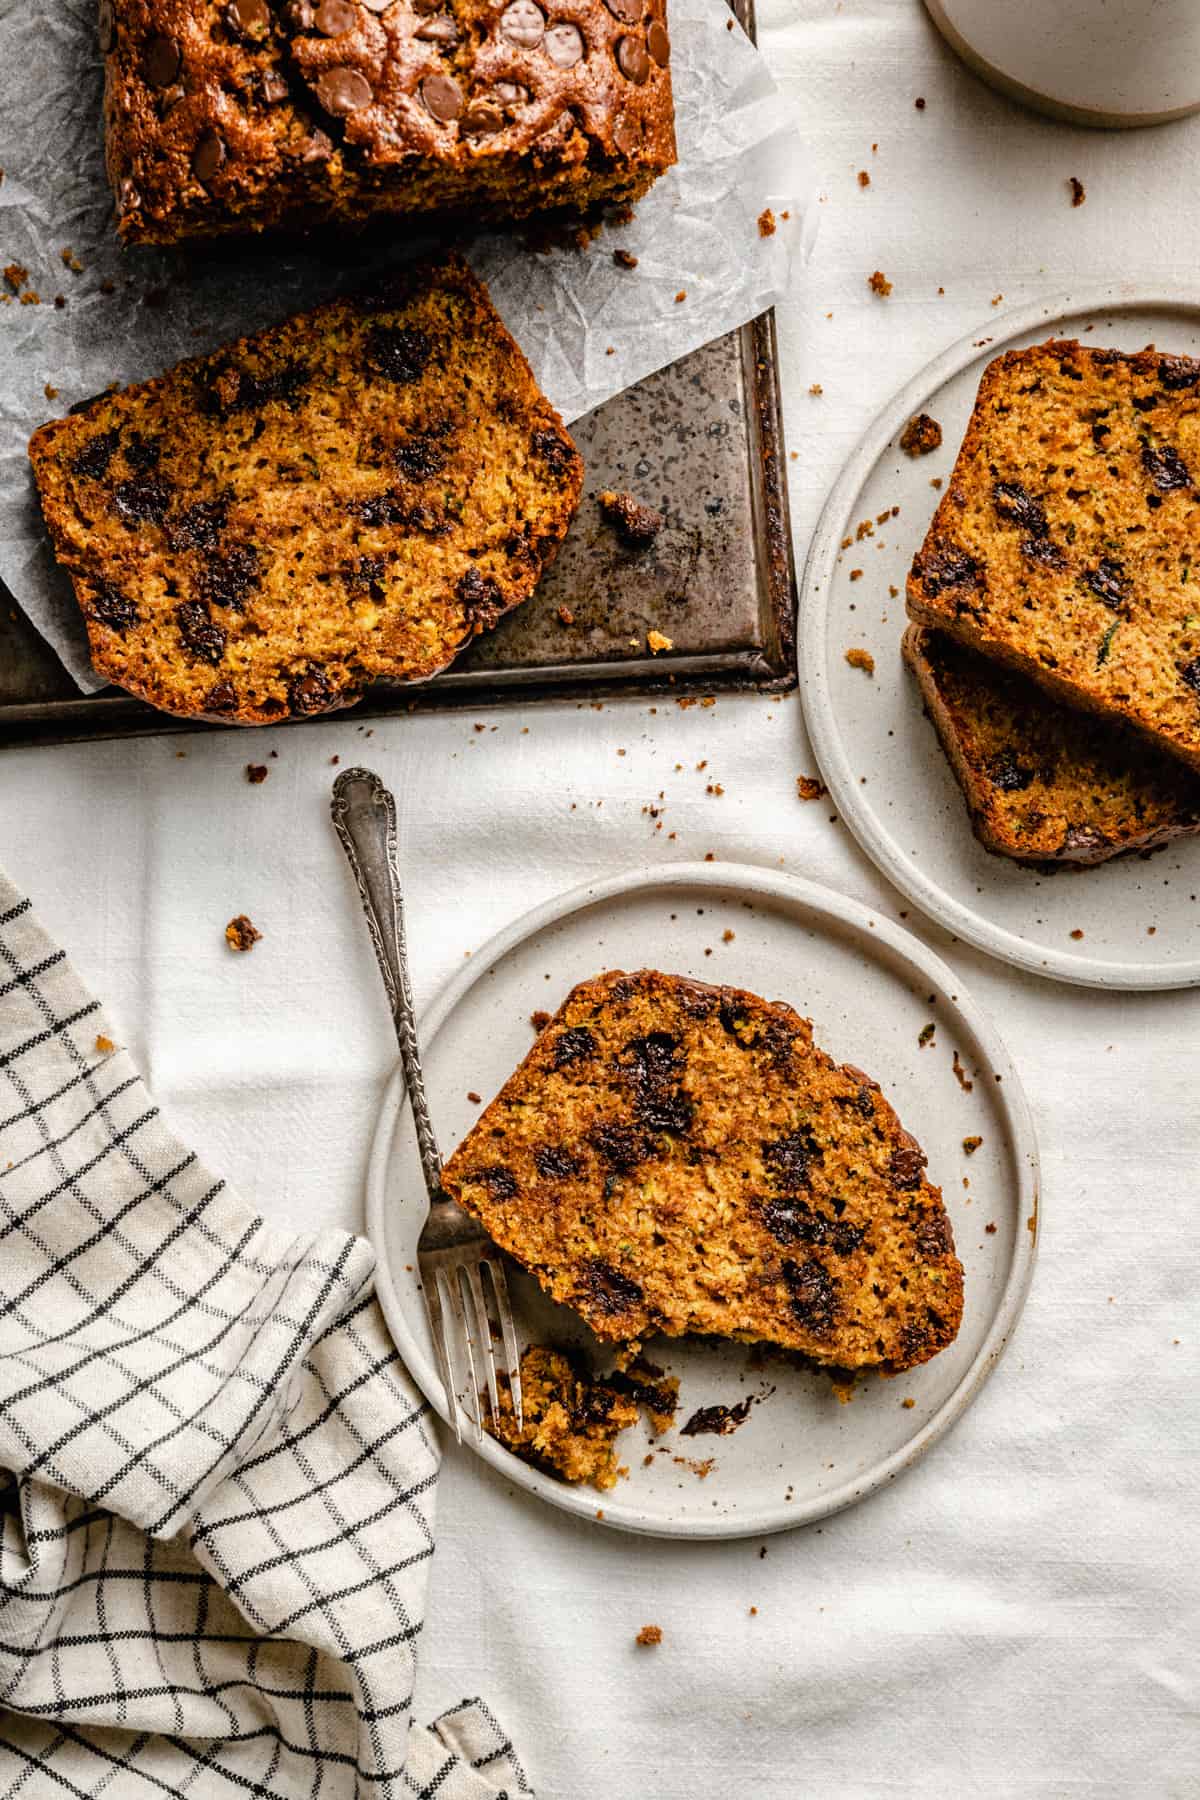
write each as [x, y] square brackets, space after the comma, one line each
[1065, 542]
[1044, 784]
[677, 1158]
[238, 116]
[351, 495]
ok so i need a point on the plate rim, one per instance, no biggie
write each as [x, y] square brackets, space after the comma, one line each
[919, 958]
[1077, 968]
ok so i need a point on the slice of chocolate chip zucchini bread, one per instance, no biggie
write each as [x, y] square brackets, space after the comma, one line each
[1044, 784]
[1068, 539]
[677, 1158]
[571, 1418]
[351, 495]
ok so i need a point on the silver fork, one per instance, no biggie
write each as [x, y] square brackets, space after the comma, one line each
[453, 1250]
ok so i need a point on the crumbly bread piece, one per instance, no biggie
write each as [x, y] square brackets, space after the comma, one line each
[241, 116]
[672, 1157]
[1064, 543]
[570, 1420]
[353, 494]
[1044, 784]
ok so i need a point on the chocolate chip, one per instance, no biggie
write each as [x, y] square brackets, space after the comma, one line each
[273, 87]
[792, 1221]
[658, 43]
[144, 498]
[555, 451]
[1108, 582]
[1165, 467]
[629, 10]
[811, 1294]
[573, 1045]
[623, 1147]
[299, 15]
[523, 23]
[196, 628]
[1042, 550]
[380, 6]
[945, 566]
[1178, 371]
[1005, 772]
[93, 460]
[249, 18]
[334, 17]
[311, 693]
[160, 61]
[226, 580]
[1083, 838]
[934, 1238]
[420, 457]
[208, 156]
[443, 98]
[1017, 506]
[510, 93]
[788, 1159]
[500, 1181]
[717, 1420]
[439, 30]
[1190, 673]
[482, 120]
[342, 91]
[106, 27]
[481, 598]
[624, 134]
[907, 1161]
[220, 699]
[111, 608]
[564, 46]
[142, 453]
[198, 526]
[317, 149]
[555, 1163]
[398, 353]
[607, 1289]
[632, 60]
[128, 196]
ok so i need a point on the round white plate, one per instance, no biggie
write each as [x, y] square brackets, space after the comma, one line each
[878, 753]
[869, 988]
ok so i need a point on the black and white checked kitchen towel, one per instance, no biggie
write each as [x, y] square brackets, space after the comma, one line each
[216, 1477]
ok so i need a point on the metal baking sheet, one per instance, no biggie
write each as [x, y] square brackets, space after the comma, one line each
[703, 442]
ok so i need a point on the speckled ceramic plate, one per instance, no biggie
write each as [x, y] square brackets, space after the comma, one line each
[1130, 923]
[870, 989]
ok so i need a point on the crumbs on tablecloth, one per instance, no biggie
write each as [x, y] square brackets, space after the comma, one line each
[990, 1228]
[240, 934]
[971, 1144]
[864, 180]
[625, 259]
[960, 1075]
[1078, 191]
[727, 936]
[1076, 934]
[921, 435]
[919, 103]
[908, 1403]
[539, 1020]
[809, 788]
[651, 1634]
[861, 659]
[256, 773]
[104, 1045]
[766, 223]
[815, 389]
[681, 296]
[879, 284]
[474, 1098]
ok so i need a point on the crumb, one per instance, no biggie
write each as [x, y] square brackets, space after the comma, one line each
[996, 299]
[539, 1020]
[256, 773]
[766, 223]
[334, 760]
[856, 574]
[51, 393]
[864, 180]
[611, 351]
[925, 1035]
[921, 435]
[565, 616]
[727, 936]
[104, 1045]
[1077, 934]
[60, 300]
[70, 261]
[681, 296]
[990, 1228]
[861, 659]
[919, 103]
[240, 934]
[635, 523]
[656, 642]
[909, 1403]
[809, 788]
[108, 286]
[1078, 191]
[816, 390]
[651, 1634]
[879, 284]
[31, 297]
[935, 481]
[754, 1612]
[960, 1075]
[625, 259]
[16, 275]
[971, 1145]
[474, 1098]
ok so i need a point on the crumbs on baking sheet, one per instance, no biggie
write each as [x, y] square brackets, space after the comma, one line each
[104, 1045]
[240, 934]
[625, 259]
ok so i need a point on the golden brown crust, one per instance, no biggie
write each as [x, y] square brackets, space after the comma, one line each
[677, 1158]
[1064, 543]
[1044, 784]
[238, 116]
[348, 496]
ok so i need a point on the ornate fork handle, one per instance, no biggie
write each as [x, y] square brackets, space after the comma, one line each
[364, 817]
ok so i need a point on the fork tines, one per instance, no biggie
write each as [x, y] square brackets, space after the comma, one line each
[459, 1318]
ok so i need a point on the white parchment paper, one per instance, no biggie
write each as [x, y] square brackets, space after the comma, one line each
[589, 328]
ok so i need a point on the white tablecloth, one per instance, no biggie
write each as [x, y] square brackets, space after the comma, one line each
[1017, 1615]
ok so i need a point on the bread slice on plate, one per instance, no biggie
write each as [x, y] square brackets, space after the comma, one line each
[676, 1158]
[1067, 542]
[1044, 784]
[352, 495]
